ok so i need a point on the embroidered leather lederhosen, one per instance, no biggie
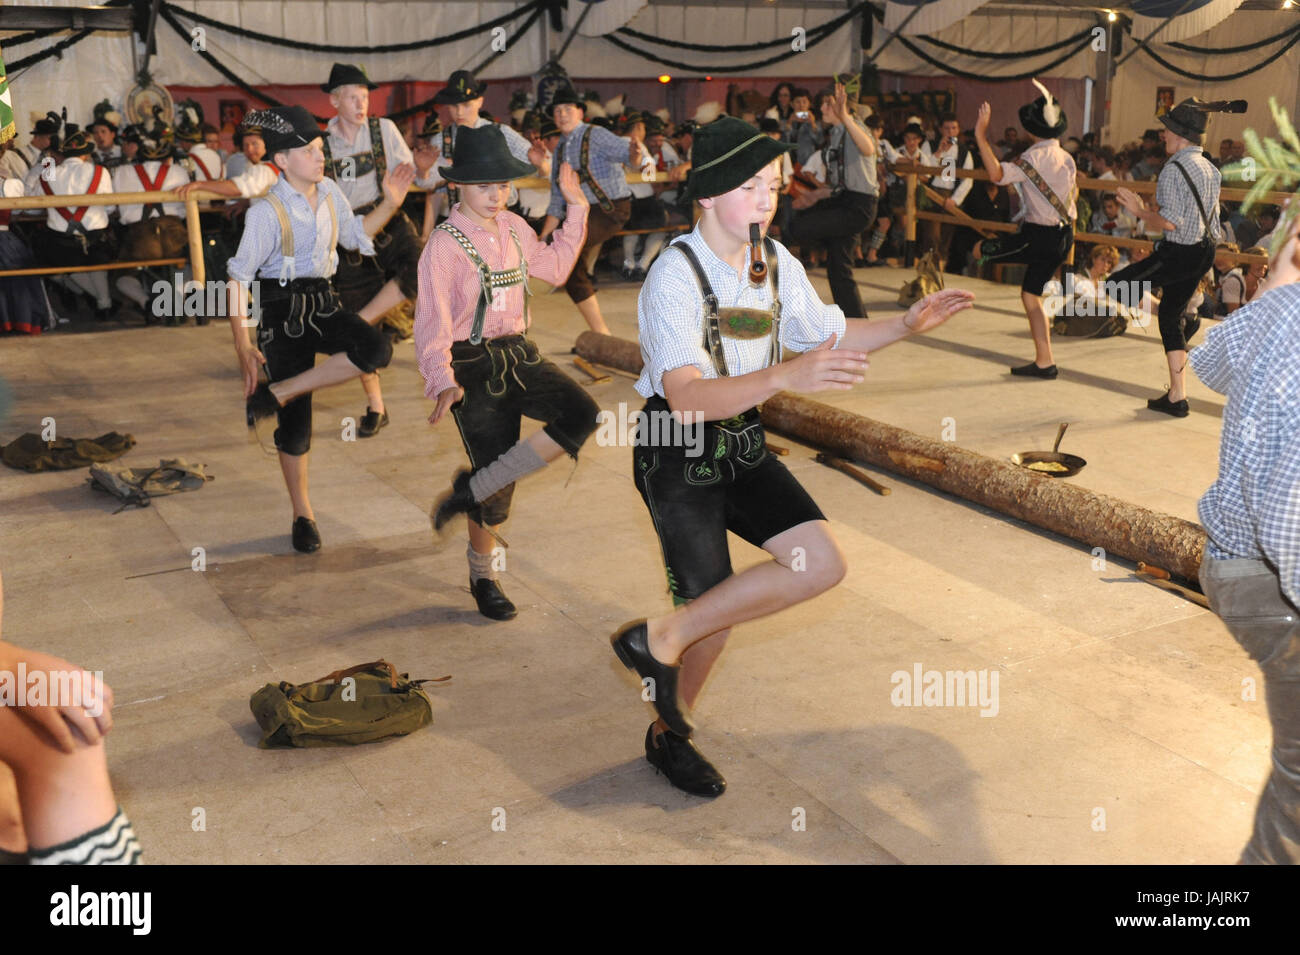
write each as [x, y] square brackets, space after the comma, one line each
[375, 160]
[743, 323]
[303, 308]
[584, 174]
[489, 280]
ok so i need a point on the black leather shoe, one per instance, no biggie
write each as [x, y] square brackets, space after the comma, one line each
[260, 404]
[1162, 404]
[305, 536]
[371, 423]
[458, 500]
[632, 644]
[492, 602]
[1033, 371]
[684, 765]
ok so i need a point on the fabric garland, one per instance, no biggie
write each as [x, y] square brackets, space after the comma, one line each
[533, 6]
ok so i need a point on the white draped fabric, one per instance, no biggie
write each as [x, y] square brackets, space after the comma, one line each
[1192, 23]
[932, 16]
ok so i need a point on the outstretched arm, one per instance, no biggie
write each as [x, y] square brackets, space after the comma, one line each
[929, 313]
[992, 165]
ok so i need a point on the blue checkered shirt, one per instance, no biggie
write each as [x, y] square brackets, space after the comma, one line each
[1253, 509]
[1178, 205]
[606, 154]
[313, 256]
[670, 314]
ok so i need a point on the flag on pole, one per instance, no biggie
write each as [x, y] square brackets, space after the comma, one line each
[7, 128]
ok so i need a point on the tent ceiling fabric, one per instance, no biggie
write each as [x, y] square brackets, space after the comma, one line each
[1201, 15]
[1006, 30]
[934, 16]
[606, 16]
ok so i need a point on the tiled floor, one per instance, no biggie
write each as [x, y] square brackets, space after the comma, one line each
[1120, 733]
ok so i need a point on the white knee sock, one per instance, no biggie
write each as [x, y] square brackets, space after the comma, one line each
[113, 843]
[505, 470]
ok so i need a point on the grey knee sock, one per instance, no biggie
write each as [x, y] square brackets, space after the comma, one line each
[505, 470]
[480, 565]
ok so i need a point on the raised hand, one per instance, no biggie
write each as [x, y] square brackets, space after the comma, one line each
[936, 308]
[397, 181]
[426, 154]
[825, 369]
[982, 120]
[570, 188]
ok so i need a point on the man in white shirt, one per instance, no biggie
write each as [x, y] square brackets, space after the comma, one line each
[1046, 174]
[75, 236]
[950, 153]
[153, 230]
[359, 148]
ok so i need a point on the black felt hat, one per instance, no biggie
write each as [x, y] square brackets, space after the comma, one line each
[49, 126]
[105, 115]
[461, 88]
[1188, 118]
[76, 141]
[189, 121]
[432, 126]
[548, 129]
[726, 154]
[347, 74]
[483, 156]
[1044, 117]
[282, 127]
[567, 94]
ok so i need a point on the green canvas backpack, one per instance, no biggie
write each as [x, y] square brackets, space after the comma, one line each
[359, 704]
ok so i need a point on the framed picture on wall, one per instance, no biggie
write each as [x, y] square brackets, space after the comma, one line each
[231, 114]
[1164, 99]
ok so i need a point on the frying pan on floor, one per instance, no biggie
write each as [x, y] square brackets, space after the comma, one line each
[1053, 463]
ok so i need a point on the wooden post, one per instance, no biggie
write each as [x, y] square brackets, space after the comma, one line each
[1097, 520]
[909, 220]
[197, 265]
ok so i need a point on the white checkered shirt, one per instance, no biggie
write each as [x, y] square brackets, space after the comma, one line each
[1178, 205]
[1253, 509]
[670, 314]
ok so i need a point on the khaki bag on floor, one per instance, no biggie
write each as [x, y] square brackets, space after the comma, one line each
[929, 279]
[360, 704]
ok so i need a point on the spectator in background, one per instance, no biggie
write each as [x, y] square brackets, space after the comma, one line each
[782, 107]
[1267, 218]
[648, 212]
[805, 131]
[1112, 220]
[212, 140]
[948, 149]
[1256, 272]
[1230, 292]
[251, 148]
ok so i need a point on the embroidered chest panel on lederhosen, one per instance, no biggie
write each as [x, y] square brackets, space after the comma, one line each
[490, 282]
[584, 173]
[737, 322]
[375, 160]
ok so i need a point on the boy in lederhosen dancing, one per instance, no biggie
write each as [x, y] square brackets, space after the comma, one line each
[712, 346]
[470, 323]
[358, 149]
[1187, 212]
[289, 244]
[1045, 238]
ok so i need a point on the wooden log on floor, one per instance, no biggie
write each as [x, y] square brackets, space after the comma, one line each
[1122, 529]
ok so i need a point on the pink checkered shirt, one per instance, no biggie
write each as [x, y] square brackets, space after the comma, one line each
[449, 284]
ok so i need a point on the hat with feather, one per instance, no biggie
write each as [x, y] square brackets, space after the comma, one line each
[105, 115]
[189, 121]
[1188, 118]
[1043, 117]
